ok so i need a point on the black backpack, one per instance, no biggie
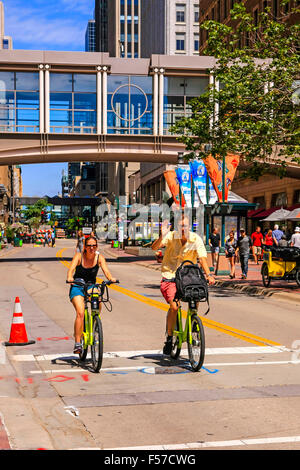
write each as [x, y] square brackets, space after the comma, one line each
[191, 284]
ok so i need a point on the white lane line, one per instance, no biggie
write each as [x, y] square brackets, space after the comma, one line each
[151, 370]
[128, 354]
[213, 444]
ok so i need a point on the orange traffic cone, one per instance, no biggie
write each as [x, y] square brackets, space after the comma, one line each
[18, 335]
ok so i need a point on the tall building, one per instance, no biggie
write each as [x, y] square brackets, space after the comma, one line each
[169, 27]
[101, 21]
[90, 36]
[139, 28]
[5, 41]
[118, 27]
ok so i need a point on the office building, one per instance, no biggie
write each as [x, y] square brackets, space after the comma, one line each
[169, 27]
[90, 36]
[118, 27]
[5, 41]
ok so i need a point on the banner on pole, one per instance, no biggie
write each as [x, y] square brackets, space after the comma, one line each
[201, 179]
[184, 177]
[215, 171]
[171, 179]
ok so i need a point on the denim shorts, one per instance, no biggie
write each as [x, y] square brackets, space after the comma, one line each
[76, 290]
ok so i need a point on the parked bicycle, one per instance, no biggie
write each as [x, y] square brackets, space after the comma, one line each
[94, 295]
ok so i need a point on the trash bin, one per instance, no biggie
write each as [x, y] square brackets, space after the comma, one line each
[21, 243]
[116, 244]
[16, 241]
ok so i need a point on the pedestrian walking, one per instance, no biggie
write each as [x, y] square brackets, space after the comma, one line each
[283, 242]
[80, 241]
[244, 245]
[268, 240]
[277, 234]
[257, 239]
[53, 238]
[295, 241]
[214, 242]
[230, 249]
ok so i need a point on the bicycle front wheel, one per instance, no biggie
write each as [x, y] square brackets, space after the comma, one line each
[83, 354]
[196, 343]
[175, 342]
[97, 346]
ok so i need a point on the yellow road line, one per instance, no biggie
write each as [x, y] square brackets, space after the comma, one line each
[243, 335]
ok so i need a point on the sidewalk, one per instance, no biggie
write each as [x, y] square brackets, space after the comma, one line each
[252, 285]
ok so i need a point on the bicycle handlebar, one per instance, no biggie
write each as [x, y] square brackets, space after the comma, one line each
[82, 283]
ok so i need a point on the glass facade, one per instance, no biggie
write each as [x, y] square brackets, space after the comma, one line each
[129, 28]
[73, 103]
[178, 92]
[129, 104]
[19, 102]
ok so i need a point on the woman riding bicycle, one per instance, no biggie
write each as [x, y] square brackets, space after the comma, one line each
[85, 266]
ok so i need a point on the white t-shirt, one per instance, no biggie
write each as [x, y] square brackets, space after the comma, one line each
[296, 239]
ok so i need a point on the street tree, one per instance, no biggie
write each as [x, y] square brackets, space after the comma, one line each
[36, 209]
[251, 107]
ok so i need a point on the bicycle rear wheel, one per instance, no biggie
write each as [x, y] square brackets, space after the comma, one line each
[175, 342]
[97, 346]
[196, 348]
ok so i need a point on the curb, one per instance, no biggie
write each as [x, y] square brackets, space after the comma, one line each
[8, 250]
[259, 291]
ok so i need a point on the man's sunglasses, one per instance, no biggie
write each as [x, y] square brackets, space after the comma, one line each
[91, 246]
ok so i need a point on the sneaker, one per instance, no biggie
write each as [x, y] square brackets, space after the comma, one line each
[77, 348]
[168, 346]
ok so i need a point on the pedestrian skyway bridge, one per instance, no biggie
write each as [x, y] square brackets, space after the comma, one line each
[87, 106]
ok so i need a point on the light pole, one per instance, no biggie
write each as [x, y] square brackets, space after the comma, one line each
[180, 161]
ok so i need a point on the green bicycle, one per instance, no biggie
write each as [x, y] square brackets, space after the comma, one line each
[92, 335]
[192, 334]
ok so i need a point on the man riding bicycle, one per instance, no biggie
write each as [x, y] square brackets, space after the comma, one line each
[180, 245]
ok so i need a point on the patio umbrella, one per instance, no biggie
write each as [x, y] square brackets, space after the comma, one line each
[280, 214]
[294, 215]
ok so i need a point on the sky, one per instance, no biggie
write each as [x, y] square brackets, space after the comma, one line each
[55, 25]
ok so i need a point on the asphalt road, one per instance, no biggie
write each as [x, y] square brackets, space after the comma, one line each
[246, 395]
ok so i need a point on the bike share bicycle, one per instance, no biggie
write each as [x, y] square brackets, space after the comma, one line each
[92, 335]
[191, 288]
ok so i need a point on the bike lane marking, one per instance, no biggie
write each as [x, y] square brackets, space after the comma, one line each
[243, 335]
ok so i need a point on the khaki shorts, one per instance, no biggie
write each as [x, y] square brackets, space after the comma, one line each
[257, 250]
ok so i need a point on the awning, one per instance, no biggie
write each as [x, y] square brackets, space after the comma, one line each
[280, 214]
[253, 213]
[294, 215]
[265, 213]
